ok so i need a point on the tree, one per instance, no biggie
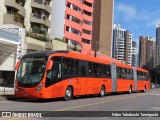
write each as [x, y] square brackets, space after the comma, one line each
[155, 74]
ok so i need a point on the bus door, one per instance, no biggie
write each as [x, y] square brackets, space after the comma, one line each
[83, 65]
[135, 78]
[54, 78]
[114, 77]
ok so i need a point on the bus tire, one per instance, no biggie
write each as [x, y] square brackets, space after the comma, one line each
[102, 91]
[130, 90]
[68, 93]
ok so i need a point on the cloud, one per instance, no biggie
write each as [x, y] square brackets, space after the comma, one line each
[131, 13]
[154, 22]
[128, 11]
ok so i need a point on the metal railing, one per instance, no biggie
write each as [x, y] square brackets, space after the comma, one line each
[6, 87]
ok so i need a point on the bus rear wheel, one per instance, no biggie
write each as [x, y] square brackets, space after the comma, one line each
[68, 94]
[102, 91]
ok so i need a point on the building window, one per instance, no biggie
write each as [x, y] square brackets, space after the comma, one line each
[74, 19]
[73, 30]
[87, 32]
[86, 41]
[88, 4]
[87, 13]
[87, 22]
[74, 7]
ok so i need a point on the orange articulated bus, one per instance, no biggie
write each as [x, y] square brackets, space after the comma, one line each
[54, 74]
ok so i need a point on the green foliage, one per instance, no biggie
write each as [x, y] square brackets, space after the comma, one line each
[60, 39]
[40, 37]
[36, 29]
[155, 74]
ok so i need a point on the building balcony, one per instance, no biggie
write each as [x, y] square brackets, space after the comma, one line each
[87, 8]
[87, 27]
[74, 13]
[35, 44]
[86, 17]
[12, 3]
[90, 1]
[42, 5]
[76, 2]
[73, 36]
[73, 25]
[86, 36]
[38, 19]
[10, 19]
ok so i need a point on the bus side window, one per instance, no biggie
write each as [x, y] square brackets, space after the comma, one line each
[108, 71]
[83, 71]
[55, 74]
[68, 67]
[118, 72]
[123, 73]
[90, 69]
[127, 74]
[76, 68]
[103, 71]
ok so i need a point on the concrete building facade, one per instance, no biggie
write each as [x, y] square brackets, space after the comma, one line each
[11, 49]
[85, 24]
[122, 45]
[73, 21]
[38, 16]
[134, 53]
[102, 36]
[157, 45]
[12, 12]
[146, 52]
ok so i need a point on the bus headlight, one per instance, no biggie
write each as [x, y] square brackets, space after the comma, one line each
[39, 88]
[16, 89]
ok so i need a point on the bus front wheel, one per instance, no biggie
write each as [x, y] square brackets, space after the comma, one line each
[68, 94]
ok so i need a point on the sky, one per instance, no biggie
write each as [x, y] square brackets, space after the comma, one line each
[139, 17]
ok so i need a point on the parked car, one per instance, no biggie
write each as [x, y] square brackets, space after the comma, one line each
[152, 85]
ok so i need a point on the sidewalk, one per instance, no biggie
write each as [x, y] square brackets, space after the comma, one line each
[6, 93]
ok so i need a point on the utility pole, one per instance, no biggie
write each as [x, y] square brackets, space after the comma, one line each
[96, 48]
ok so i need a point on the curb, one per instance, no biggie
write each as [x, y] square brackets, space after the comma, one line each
[7, 97]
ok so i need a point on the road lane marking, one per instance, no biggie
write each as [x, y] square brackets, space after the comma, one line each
[80, 106]
[153, 94]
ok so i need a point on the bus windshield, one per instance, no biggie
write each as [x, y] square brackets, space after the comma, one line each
[31, 71]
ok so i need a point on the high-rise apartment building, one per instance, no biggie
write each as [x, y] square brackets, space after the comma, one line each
[157, 45]
[122, 44]
[154, 54]
[85, 24]
[102, 36]
[134, 53]
[72, 20]
[38, 16]
[146, 52]
[12, 12]
[35, 17]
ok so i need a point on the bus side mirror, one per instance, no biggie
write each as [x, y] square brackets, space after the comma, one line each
[49, 66]
[17, 65]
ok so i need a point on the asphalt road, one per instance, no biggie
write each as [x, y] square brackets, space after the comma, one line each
[89, 106]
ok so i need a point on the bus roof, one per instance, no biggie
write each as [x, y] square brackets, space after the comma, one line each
[104, 59]
[44, 53]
